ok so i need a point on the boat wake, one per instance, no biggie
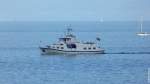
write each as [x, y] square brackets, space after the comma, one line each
[127, 53]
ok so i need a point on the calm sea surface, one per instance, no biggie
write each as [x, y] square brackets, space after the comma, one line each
[126, 61]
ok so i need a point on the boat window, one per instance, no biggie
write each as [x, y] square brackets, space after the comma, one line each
[65, 39]
[62, 47]
[71, 46]
[43, 50]
[84, 48]
[94, 48]
[61, 44]
[57, 47]
[89, 48]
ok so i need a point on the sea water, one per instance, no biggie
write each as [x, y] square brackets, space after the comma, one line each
[126, 59]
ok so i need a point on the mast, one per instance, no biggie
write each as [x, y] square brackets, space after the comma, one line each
[141, 23]
[69, 30]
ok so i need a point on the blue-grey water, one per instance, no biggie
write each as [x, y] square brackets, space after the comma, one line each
[126, 60]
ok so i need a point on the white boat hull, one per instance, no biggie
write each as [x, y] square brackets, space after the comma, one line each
[143, 34]
[54, 51]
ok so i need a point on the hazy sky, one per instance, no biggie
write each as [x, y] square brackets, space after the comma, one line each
[73, 10]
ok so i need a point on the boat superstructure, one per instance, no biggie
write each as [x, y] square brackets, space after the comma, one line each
[70, 44]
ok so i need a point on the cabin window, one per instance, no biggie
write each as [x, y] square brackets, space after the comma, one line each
[71, 46]
[84, 48]
[94, 48]
[89, 48]
[57, 47]
[64, 39]
[61, 44]
[62, 47]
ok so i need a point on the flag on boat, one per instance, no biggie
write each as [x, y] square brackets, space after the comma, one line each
[98, 39]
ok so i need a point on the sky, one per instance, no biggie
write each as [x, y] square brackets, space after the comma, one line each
[74, 10]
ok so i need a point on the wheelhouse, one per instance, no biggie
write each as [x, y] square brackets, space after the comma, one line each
[64, 39]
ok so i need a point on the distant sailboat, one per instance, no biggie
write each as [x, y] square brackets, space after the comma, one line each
[141, 33]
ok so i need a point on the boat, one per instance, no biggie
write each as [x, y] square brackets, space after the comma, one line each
[141, 33]
[69, 44]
